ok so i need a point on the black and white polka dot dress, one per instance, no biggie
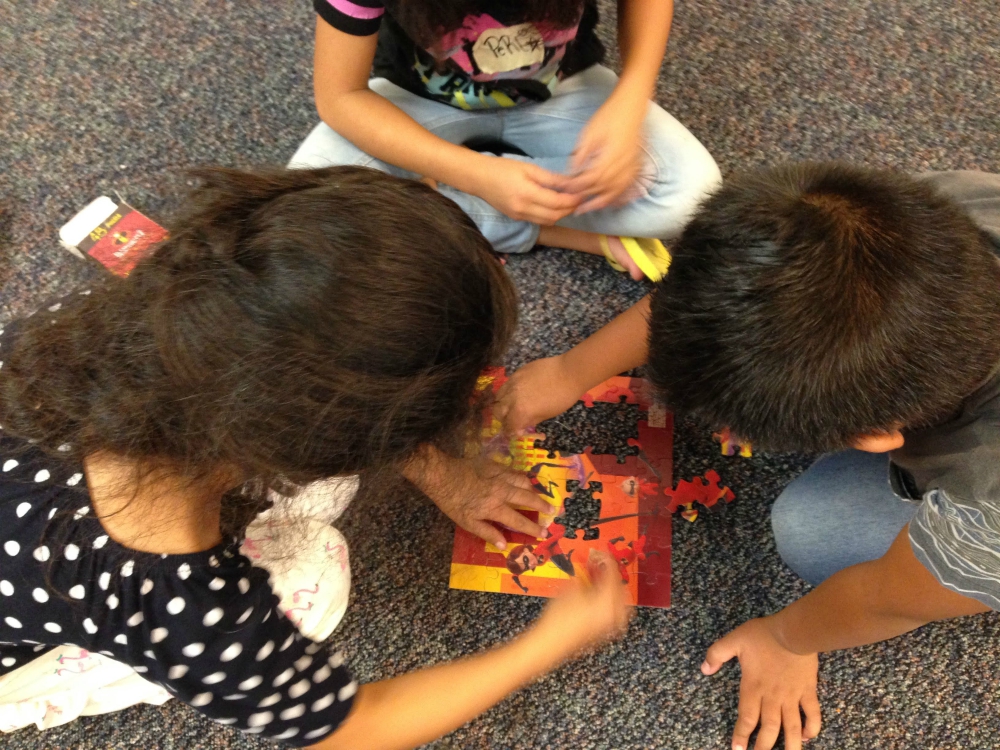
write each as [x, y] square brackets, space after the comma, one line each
[206, 626]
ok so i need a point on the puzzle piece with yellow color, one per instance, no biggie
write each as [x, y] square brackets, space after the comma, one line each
[596, 503]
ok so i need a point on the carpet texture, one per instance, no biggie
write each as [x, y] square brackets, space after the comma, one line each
[100, 96]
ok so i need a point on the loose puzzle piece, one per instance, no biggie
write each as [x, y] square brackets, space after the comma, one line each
[729, 444]
[597, 503]
[614, 391]
[704, 490]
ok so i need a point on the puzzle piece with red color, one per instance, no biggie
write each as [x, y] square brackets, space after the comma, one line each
[704, 490]
[593, 499]
[615, 390]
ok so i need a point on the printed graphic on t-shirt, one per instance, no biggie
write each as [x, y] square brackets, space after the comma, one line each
[484, 51]
[504, 49]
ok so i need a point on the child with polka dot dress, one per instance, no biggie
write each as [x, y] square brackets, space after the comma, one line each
[156, 431]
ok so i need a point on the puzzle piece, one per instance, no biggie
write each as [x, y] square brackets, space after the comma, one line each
[614, 494]
[730, 444]
[617, 390]
[704, 490]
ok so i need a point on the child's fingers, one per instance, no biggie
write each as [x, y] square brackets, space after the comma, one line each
[791, 722]
[543, 217]
[603, 197]
[587, 146]
[748, 714]
[770, 725]
[544, 197]
[551, 180]
[602, 569]
[814, 721]
[718, 654]
[613, 182]
[584, 183]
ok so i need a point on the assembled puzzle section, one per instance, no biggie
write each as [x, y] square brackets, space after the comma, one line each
[596, 502]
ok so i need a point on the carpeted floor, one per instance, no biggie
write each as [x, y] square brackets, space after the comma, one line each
[102, 96]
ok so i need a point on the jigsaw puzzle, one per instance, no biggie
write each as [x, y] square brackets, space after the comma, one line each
[597, 502]
[729, 444]
[704, 490]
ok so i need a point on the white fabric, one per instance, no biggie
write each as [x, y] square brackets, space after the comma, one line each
[67, 682]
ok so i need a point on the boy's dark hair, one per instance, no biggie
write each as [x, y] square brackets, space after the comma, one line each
[297, 325]
[810, 304]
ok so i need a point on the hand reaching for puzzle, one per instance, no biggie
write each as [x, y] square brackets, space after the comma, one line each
[538, 391]
[775, 684]
[589, 614]
[478, 495]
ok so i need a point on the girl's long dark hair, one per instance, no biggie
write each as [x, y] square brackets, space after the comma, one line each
[297, 325]
[427, 21]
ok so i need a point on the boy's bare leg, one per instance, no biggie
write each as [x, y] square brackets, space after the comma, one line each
[570, 239]
[588, 242]
[577, 239]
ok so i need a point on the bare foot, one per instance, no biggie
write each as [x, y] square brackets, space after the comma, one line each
[620, 254]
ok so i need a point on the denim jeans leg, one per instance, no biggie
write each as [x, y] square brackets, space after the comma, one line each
[840, 512]
[676, 174]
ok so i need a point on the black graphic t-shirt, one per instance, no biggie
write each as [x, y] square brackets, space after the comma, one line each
[494, 59]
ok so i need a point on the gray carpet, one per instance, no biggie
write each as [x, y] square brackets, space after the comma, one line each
[102, 96]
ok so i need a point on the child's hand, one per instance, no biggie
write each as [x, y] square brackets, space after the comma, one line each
[538, 391]
[478, 495]
[589, 614]
[524, 191]
[775, 684]
[608, 152]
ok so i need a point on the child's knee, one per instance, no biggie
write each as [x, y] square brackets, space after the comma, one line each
[674, 182]
[684, 166]
[795, 530]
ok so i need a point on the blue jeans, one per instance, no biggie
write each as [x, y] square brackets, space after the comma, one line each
[677, 171]
[840, 512]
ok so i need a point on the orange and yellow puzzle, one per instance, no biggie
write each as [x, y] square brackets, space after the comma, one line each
[597, 503]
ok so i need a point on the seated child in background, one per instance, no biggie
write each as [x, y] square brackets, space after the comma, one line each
[585, 153]
[144, 423]
[856, 313]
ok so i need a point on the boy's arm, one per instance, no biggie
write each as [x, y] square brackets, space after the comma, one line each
[862, 604]
[870, 602]
[548, 387]
[341, 66]
[608, 151]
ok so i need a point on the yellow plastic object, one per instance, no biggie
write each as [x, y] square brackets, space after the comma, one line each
[650, 255]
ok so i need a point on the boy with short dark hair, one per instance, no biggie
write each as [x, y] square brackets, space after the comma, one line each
[824, 307]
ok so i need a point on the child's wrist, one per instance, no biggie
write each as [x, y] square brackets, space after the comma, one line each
[547, 643]
[575, 372]
[474, 173]
[634, 91]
